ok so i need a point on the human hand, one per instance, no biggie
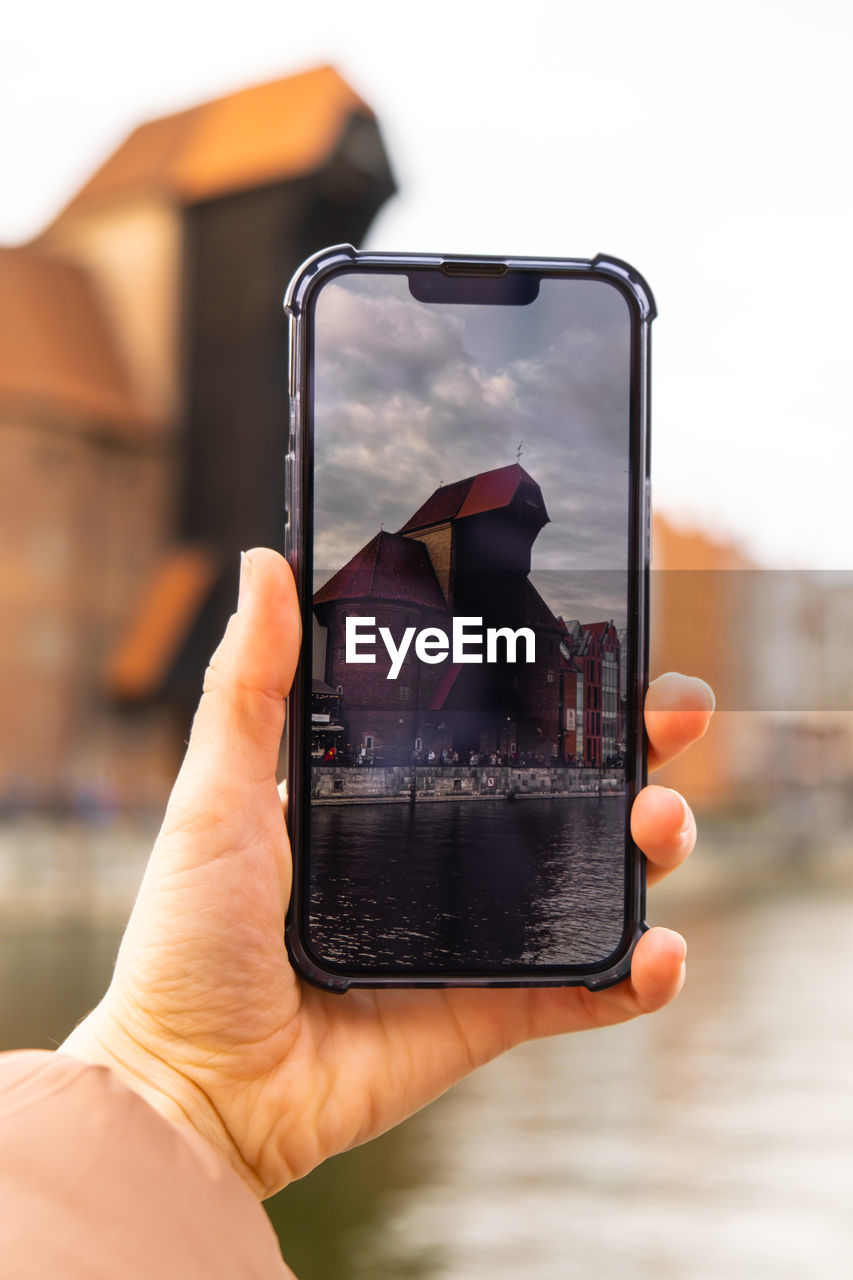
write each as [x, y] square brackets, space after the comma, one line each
[204, 1015]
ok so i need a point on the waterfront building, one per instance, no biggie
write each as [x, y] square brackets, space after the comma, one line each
[326, 727]
[572, 704]
[392, 580]
[596, 647]
[465, 552]
[622, 738]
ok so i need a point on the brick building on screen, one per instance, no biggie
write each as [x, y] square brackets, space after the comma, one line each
[464, 553]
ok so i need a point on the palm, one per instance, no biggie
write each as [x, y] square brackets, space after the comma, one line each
[296, 1073]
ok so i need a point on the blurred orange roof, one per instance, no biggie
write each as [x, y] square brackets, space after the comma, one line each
[56, 353]
[264, 134]
[167, 609]
[679, 547]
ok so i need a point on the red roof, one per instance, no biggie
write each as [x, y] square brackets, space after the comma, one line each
[597, 629]
[492, 490]
[488, 491]
[389, 567]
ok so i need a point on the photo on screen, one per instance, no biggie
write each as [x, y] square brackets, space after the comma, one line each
[470, 645]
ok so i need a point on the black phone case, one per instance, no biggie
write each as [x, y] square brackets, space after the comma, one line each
[298, 534]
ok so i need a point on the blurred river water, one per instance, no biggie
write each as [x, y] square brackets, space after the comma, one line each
[713, 1139]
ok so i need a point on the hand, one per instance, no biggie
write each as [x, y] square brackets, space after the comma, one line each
[204, 1015]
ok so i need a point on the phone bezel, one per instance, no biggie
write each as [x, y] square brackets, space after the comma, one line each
[299, 301]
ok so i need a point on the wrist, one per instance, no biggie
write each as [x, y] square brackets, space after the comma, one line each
[100, 1039]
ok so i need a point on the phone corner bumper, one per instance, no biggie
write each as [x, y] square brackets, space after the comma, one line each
[631, 279]
[308, 969]
[318, 264]
[619, 971]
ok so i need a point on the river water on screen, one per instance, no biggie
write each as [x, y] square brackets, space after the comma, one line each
[470, 882]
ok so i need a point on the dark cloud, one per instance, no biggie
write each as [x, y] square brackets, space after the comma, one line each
[403, 404]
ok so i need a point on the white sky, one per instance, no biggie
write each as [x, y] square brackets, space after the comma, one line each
[707, 144]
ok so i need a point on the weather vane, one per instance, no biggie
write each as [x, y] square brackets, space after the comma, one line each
[519, 451]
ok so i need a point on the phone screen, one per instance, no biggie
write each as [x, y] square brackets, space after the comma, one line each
[472, 640]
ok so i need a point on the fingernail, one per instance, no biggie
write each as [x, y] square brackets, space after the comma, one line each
[677, 692]
[682, 945]
[685, 813]
[245, 578]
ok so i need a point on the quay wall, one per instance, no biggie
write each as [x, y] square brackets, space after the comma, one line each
[335, 785]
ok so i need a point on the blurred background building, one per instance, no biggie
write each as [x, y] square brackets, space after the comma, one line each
[142, 411]
[143, 401]
[773, 645]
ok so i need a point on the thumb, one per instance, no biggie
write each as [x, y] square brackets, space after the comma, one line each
[236, 733]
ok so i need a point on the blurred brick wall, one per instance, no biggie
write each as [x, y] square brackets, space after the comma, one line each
[82, 519]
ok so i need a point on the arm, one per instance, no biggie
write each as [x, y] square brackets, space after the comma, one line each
[94, 1183]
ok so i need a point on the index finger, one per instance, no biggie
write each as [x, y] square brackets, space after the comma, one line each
[678, 710]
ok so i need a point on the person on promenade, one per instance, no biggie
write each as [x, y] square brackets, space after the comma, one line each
[209, 1076]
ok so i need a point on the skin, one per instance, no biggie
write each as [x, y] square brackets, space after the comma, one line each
[205, 1017]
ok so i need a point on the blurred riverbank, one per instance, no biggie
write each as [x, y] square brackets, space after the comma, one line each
[77, 869]
[712, 1139]
[72, 869]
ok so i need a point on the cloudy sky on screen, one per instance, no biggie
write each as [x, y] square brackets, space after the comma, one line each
[410, 396]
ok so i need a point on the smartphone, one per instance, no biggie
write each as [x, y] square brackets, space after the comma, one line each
[467, 484]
